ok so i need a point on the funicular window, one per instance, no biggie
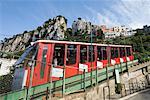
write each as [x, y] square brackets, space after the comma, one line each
[91, 54]
[71, 54]
[104, 53]
[29, 55]
[114, 52]
[58, 56]
[99, 53]
[128, 51]
[43, 63]
[83, 54]
[122, 52]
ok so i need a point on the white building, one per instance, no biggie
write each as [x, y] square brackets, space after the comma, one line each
[117, 31]
[5, 66]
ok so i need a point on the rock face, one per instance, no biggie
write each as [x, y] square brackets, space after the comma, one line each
[81, 27]
[52, 29]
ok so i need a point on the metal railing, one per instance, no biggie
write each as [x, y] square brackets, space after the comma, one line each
[134, 87]
[62, 86]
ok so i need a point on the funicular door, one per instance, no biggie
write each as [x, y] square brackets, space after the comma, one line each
[83, 62]
[87, 58]
[42, 65]
[72, 51]
[58, 59]
[102, 56]
[114, 56]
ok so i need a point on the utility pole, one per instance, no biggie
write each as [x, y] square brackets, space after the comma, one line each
[91, 58]
[108, 59]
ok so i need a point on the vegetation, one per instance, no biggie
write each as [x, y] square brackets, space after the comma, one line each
[5, 83]
[80, 36]
[140, 43]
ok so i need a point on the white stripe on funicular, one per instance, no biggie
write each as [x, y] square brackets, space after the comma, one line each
[128, 59]
[113, 62]
[99, 64]
[121, 60]
[24, 78]
[82, 67]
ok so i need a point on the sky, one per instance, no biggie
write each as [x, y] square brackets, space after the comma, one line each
[16, 16]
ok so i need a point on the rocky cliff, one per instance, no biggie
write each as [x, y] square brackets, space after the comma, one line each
[86, 30]
[52, 29]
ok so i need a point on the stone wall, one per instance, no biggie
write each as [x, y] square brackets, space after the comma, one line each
[95, 93]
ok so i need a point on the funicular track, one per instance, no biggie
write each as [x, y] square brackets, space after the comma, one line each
[67, 86]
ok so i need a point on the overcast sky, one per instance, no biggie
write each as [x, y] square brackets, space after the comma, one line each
[16, 16]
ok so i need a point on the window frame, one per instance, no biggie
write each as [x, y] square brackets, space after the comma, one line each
[93, 53]
[60, 61]
[42, 68]
[86, 60]
[75, 57]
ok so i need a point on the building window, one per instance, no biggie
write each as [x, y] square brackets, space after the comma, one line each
[83, 54]
[43, 63]
[71, 54]
[58, 56]
[91, 54]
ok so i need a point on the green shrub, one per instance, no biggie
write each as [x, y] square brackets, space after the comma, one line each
[5, 83]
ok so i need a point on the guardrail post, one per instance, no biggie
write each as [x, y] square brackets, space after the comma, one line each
[63, 88]
[50, 90]
[47, 92]
[121, 68]
[96, 76]
[84, 80]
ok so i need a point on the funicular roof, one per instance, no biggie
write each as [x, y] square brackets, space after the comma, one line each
[81, 43]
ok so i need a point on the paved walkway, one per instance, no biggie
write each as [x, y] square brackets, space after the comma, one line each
[141, 96]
